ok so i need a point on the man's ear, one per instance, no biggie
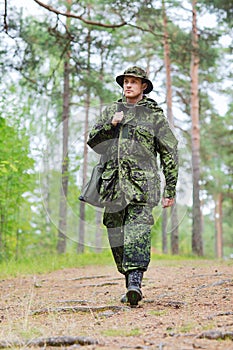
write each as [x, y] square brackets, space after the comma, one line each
[144, 86]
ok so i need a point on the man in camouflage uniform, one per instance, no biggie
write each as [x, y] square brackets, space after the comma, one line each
[129, 134]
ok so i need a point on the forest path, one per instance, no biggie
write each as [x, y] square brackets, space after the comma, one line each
[186, 305]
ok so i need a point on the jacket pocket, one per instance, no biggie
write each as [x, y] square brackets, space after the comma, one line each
[145, 139]
[146, 186]
[107, 179]
[139, 186]
[109, 186]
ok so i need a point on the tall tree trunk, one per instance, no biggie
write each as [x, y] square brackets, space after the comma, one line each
[167, 62]
[82, 226]
[81, 233]
[197, 244]
[61, 243]
[218, 226]
[46, 178]
[174, 215]
[164, 231]
[99, 230]
[174, 230]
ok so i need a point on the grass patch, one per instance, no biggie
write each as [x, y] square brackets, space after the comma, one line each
[48, 263]
[31, 333]
[208, 327]
[121, 332]
[187, 327]
[169, 257]
[157, 312]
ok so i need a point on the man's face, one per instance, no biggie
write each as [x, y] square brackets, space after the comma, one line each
[133, 88]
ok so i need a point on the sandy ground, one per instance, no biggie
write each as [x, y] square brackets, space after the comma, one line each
[182, 303]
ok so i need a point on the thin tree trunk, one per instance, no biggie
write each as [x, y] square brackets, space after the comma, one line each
[99, 232]
[81, 229]
[46, 187]
[197, 244]
[17, 234]
[218, 226]
[164, 231]
[98, 213]
[167, 62]
[46, 179]
[174, 215]
[169, 111]
[175, 231]
[61, 243]
[81, 233]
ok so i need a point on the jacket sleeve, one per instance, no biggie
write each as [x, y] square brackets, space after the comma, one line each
[103, 132]
[167, 148]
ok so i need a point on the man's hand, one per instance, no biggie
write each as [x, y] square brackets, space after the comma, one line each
[167, 202]
[118, 116]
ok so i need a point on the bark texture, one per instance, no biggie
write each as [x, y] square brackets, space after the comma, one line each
[61, 244]
[197, 244]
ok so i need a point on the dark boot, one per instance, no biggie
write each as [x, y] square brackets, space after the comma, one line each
[134, 294]
[124, 298]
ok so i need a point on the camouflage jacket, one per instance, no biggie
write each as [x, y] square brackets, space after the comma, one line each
[130, 151]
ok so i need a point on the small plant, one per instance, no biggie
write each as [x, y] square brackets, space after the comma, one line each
[187, 327]
[157, 312]
[208, 326]
[121, 332]
[31, 333]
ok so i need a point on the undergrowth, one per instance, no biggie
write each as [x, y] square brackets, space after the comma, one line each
[48, 263]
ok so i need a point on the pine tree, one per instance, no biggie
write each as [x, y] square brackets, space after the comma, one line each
[197, 244]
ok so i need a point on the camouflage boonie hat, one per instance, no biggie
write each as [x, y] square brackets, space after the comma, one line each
[138, 73]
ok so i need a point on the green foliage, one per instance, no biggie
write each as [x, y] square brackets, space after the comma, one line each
[218, 148]
[15, 181]
[223, 8]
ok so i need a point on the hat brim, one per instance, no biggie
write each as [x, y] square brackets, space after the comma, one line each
[120, 81]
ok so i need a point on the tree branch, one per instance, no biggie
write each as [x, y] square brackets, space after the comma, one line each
[183, 98]
[215, 335]
[114, 308]
[183, 130]
[72, 15]
[51, 341]
[5, 18]
[151, 31]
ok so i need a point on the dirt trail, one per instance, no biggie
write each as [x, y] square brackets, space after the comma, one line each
[182, 302]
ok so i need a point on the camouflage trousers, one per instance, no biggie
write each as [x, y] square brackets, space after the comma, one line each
[129, 234]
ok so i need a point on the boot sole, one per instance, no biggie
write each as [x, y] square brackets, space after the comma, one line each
[134, 296]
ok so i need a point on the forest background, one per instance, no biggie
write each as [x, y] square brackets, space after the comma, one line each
[58, 62]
